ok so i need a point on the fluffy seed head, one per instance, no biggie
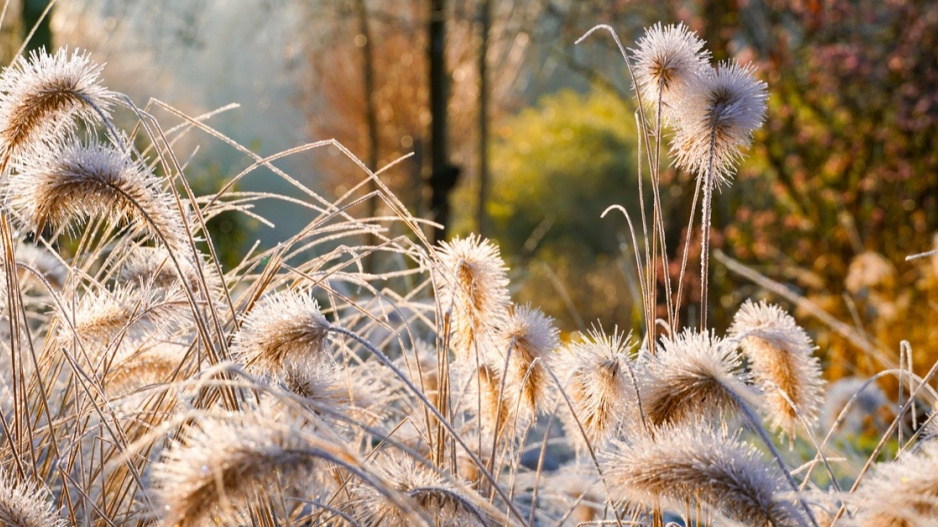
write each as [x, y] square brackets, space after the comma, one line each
[869, 411]
[719, 112]
[474, 284]
[692, 377]
[41, 93]
[152, 266]
[286, 326]
[432, 495]
[147, 366]
[600, 385]
[780, 354]
[217, 468]
[61, 182]
[531, 336]
[684, 465]
[103, 316]
[668, 58]
[903, 492]
[26, 505]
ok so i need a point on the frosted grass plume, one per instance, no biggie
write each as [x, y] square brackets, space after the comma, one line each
[104, 316]
[153, 267]
[780, 356]
[41, 93]
[283, 326]
[430, 493]
[67, 181]
[903, 492]
[475, 286]
[148, 365]
[719, 112]
[693, 464]
[217, 469]
[693, 376]
[26, 505]
[529, 336]
[601, 385]
[667, 59]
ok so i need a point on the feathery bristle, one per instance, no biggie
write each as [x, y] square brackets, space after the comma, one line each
[531, 336]
[67, 181]
[286, 326]
[780, 353]
[692, 377]
[667, 59]
[43, 92]
[430, 492]
[216, 469]
[475, 287]
[689, 464]
[720, 109]
[599, 385]
[26, 505]
[903, 492]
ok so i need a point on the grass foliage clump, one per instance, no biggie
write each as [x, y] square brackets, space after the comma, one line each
[328, 382]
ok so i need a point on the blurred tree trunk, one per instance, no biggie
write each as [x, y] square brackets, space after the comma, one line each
[486, 24]
[32, 14]
[371, 113]
[443, 176]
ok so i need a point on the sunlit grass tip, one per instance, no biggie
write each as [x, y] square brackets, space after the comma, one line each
[529, 337]
[219, 467]
[602, 383]
[69, 181]
[430, 493]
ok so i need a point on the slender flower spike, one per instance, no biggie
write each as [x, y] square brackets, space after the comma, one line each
[40, 94]
[67, 180]
[283, 327]
[719, 111]
[668, 58]
[693, 377]
[693, 464]
[780, 357]
[474, 286]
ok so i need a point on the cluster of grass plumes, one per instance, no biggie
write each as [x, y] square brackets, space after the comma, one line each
[143, 384]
